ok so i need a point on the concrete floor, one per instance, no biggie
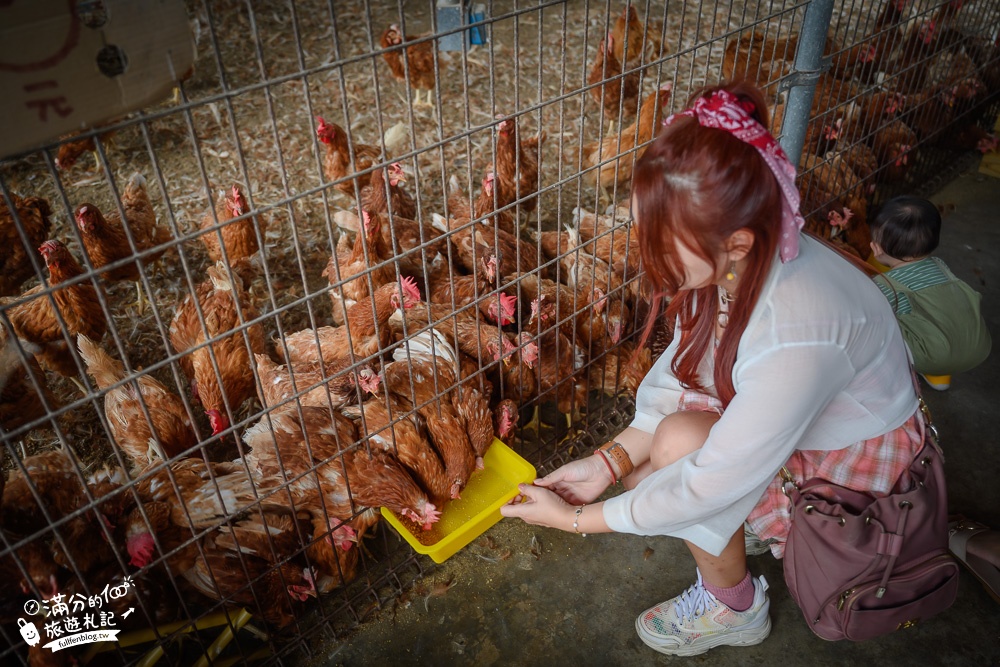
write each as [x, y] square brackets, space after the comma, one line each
[528, 596]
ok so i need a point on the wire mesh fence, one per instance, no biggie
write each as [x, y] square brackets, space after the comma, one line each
[349, 248]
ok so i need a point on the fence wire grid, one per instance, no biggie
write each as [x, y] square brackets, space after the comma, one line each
[328, 272]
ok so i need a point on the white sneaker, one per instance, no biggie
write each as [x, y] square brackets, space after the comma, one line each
[696, 621]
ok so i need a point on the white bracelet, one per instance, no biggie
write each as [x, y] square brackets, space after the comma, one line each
[576, 519]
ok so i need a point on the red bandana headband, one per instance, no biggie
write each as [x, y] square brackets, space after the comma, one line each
[724, 111]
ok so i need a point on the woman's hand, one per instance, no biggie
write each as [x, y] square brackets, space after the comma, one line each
[580, 481]
[540, 507]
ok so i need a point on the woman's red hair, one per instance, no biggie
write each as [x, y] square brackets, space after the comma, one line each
[698, 185]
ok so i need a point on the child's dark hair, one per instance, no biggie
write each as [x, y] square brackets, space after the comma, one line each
[907, 227]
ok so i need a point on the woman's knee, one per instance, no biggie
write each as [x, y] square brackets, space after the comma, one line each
[679, 434]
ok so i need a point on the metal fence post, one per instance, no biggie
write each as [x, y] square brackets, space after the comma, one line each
[801, 84]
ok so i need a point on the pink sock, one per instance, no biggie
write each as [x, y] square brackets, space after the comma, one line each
[738, 597]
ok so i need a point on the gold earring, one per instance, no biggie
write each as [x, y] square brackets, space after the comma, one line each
[732, 271]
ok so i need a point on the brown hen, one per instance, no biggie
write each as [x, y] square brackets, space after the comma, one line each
[416, 67]
[338, 162]
[370, 251]
[71, 149]
[315, 383]
[179, 498]
[376, 197]
[15, 258]
[20, 401]
[505, 419]
[447, 432]
[239, 238]
[473, 410]
[467, 334]
[627, 146]
[379, 479]
[36, 321]
[621, 370]
[886, 33]
[370, 480]
[366, 331]
[302, 452]
[106, 239]
[60, 489]
[562, 374]
[482, 207]
[613, 92]
[166, 432]
[222, 574]
[628, 36]
[895, 148]
[414, 244]
[517, 379]
[517, 176]
[330, 552]
[462, 290]
[760, 59]
[218, 298]
[403, 437]
[420, 383]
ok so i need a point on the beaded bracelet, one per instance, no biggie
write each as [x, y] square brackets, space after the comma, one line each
[576, 519]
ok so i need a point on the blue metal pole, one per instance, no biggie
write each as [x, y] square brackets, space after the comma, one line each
[801, 84]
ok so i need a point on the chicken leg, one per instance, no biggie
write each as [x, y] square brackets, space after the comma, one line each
[79, 385]
[430, 99]
[535, 424]
[140, 305]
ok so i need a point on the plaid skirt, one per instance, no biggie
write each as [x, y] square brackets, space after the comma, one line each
[875, 466]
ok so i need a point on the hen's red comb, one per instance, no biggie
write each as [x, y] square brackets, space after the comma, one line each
[508, 307]
[50, 247]
[411, 292]
[508, 302]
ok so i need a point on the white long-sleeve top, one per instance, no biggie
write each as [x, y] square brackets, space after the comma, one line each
[821, 365]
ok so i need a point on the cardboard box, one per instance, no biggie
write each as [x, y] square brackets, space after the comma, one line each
[66, 66]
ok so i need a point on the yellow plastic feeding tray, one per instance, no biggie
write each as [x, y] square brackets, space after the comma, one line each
[465, 519]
